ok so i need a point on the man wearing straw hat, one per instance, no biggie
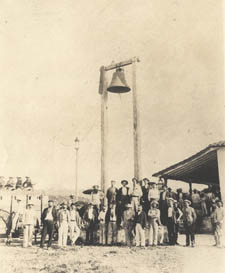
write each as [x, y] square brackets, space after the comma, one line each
[189, 217]
[29, 221]
[154, 222]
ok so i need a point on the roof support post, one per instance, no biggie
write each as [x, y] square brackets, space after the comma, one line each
[221, 169]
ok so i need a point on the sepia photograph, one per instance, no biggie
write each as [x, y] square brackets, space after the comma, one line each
[112, 136]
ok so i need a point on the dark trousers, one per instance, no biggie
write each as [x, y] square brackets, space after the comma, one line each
[171, 231]
[90, 233]
[48, 228]
[190, 233]
[176, 230]
[119, 212]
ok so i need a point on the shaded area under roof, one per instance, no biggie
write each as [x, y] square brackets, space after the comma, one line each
[201, 168]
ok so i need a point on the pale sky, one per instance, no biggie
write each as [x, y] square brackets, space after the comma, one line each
[51, 52]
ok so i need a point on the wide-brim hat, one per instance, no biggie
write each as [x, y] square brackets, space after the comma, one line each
[63, 204]
[155, 202]
[124, 181]
[187, 201]
[30, 204]
[50, 201]
[170, 199]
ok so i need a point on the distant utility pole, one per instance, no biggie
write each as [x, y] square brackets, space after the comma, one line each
[76, 167]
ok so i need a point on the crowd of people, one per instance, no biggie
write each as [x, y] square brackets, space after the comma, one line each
[11, 185]
[141, 210]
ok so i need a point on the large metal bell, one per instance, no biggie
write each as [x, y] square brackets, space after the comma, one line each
[118, 83]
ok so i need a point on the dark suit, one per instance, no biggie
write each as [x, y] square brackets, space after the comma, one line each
[144, 199]
[48, 226]
[121, 202]
[141, 219]
[163, 206]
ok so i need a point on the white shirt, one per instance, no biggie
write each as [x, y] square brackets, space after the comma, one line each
[49, 215]
[153, 194]
[170, 212]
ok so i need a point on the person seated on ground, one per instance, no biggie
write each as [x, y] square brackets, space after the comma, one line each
[10, 185]
[217, 218]
[111, 223]
[102, 225]
[154, 222]
[19, 183]
[189, 218]
[140, 220]
[128, 224]
[135, 194]
[2, 182]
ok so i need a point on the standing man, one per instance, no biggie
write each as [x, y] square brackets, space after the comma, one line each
[154, 222]
[111, 193]
[90, 218]
[140, 224]
[122, 201]
[111, 224]
[163, 205]
[29, 221]
[217, 222]
[128, 224]
[48, 219]
[102, 225]
[189, 217]
[75, 224]
[63, 223]
[136, 194]
[144, 198]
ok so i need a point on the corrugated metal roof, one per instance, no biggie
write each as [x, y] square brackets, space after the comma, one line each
[201, 168]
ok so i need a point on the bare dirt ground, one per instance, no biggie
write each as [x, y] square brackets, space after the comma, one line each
[164, 259]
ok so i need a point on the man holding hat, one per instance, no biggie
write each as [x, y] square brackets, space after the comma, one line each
[122, 200]
[189, 217]
[48, 219]
[29, 221]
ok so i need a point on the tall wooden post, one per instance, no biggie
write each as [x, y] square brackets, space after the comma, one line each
[104, 129]
[136, 124]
